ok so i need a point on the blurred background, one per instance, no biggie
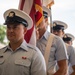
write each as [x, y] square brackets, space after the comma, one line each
[63, 10]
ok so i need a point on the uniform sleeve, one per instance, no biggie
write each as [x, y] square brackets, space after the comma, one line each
[38, 66]
[72, 55]
[61, 52]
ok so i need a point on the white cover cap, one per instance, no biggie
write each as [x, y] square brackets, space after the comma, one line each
[20, 14]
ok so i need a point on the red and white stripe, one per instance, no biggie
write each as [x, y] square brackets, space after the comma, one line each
[28, 7]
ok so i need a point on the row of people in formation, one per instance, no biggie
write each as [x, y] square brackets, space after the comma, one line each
[21, 58]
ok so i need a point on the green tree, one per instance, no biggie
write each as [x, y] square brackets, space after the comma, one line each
[2, 33]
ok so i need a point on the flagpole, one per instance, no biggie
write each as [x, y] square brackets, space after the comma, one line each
[51, 25]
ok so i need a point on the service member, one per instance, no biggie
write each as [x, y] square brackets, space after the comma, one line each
[58, 54]
[18, 57]
[69, 38]
[58, 29]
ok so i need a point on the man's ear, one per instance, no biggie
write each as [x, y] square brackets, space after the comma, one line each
[25, 30]
[63, 33]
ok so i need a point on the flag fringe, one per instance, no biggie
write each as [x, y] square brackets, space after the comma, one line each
[50, 4]
[39, 8]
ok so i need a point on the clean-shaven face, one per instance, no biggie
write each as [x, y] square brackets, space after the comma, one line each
[15, 32]
[58, 33]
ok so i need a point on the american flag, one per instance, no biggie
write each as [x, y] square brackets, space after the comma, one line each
[34, 9]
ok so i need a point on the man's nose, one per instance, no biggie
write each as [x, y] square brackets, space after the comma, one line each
[11, 29]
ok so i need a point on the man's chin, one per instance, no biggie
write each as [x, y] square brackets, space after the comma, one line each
[11, 40]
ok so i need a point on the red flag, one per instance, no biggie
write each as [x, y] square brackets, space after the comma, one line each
[34, 9]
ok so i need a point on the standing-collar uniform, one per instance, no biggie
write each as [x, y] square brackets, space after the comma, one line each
[71, 58]
[58, 50]
[59, 25]
[25, 60]
[71, 55]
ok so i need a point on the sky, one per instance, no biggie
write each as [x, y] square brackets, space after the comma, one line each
[63, 10]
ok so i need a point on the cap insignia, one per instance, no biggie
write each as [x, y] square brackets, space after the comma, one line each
[54, 24]
[65, 36]
[11, 14]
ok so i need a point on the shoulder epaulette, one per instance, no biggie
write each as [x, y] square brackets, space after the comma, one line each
[3, 49]
[31, 46]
